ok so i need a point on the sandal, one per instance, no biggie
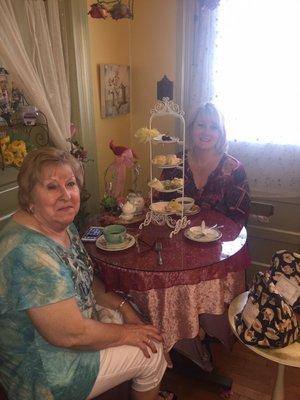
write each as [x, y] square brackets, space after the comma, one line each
[167, 395]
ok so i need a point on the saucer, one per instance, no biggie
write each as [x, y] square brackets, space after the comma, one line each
[193, 211]
[102, 244]
[212, 236]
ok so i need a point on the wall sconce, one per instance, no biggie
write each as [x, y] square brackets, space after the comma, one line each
[117, 9]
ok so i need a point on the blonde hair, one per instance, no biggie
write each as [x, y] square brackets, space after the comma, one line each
[210, 110]
[30, 172]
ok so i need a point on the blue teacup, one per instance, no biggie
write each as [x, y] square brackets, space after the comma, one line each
[114, 234]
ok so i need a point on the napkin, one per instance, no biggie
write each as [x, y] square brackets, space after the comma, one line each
[203, 230]
[207, 231]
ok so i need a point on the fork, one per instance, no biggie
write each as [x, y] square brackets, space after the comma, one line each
[158, 249]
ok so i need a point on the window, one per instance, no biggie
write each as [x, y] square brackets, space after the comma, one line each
[257, 69]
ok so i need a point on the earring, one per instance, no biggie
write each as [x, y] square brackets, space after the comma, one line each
[30, 209]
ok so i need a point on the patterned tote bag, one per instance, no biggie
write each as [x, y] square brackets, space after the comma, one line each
[268, 319]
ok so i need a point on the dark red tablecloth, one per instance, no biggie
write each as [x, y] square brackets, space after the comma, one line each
[184, 261]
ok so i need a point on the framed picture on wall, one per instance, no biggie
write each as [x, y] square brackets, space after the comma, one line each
[114, 89]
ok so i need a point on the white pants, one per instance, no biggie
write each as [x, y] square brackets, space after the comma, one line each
[122, 363]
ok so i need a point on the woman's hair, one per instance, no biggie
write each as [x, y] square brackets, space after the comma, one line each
[30, 172]
[210, 110]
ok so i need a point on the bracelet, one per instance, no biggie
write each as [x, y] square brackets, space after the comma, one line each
[121, 305]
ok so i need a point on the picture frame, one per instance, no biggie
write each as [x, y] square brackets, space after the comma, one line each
[114, 89]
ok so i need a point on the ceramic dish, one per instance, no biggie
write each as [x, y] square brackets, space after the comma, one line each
[159, 186]
[212, 236]
[160, 207]
[193, 211]
[158, 139]
[102, 244]
[168, 166]
[136, 218]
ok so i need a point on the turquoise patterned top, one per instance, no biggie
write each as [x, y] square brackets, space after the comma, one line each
[35, 271]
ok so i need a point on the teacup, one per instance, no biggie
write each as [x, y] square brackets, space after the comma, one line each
[114, 234]
[185, 202]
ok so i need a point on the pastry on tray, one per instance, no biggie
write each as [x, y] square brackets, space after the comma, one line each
[172, 159]
[160, 160]
[156, 184]
[173, 206]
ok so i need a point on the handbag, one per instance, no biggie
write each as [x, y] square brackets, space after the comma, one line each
[268, 319]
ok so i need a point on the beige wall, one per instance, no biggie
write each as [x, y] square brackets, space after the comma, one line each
[109, 44]
[148, 45]
[153, 54]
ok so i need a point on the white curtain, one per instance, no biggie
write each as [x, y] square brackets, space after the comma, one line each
[31, 50]
[213, 73]
[199, 33]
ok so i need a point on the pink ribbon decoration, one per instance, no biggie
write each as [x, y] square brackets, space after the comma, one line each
[124, 159]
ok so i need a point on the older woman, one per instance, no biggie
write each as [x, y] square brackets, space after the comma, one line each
[52, 345]
[212, 177]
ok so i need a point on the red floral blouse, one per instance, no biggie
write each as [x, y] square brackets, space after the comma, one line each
[226, 189]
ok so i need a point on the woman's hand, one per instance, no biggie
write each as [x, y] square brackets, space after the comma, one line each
[142, 336]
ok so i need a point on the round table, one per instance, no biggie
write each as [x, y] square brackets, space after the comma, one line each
[194, 279]
[184, 261]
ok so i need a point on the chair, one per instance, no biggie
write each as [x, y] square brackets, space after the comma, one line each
[289, 355]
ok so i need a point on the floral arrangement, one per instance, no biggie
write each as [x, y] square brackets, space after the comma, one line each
[144, 135]
[115, 8]
[13, 153]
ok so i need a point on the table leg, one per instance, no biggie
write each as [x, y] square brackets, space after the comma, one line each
[278, 389]
[184, 365]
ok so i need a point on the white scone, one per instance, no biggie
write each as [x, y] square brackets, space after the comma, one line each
[160, 159]
[171, 159]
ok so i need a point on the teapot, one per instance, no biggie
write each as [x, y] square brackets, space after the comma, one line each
[137, 200]
[128, 208]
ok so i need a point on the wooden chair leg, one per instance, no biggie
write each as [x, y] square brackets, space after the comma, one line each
[278, 389]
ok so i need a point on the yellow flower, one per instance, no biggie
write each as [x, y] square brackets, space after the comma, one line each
[145, 134]
[8, 157]
[18, 161]
[4, 142]
[17, 146]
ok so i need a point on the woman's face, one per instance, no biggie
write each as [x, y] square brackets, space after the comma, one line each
[205, 133]
[56, 197]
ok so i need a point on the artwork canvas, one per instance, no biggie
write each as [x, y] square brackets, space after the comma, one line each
[115, 86]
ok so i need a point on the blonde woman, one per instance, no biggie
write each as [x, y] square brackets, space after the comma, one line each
[213, 178]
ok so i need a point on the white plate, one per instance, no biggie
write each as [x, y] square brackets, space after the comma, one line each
[165, 190]
[193, 211]
[158, 139]
[102, 244]
[214, 236]
[169, 190]
[160, 208]
[168, 166]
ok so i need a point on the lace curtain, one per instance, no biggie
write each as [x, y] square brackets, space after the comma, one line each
[31, 49]
[272, 164]
[198, 30]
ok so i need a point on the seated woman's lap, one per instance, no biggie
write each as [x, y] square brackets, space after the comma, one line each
[122, 363]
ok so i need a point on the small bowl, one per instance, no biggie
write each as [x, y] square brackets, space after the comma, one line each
[114, 234]
[186, 202]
